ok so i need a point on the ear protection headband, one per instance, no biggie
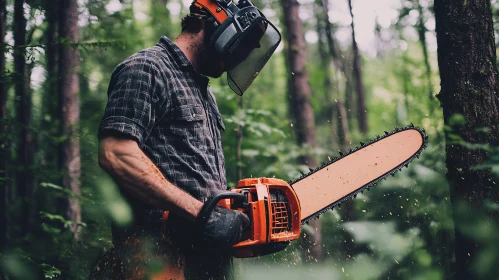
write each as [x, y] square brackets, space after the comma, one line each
[242, 35]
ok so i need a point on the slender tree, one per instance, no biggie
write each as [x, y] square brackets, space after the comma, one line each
[161, 19]
[50, 120]
[50, 105]
[357, 74]
[421, 28]
[239, 143]
[469, 87]
[25, 148]
[378, 39]
[300, 92]
[4, 149]
[330, 89]
[69, 106]
[339, 111]
[333, 50]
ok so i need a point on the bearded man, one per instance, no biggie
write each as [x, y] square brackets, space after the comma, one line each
[160, 139]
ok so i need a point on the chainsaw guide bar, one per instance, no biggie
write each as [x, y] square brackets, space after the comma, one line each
[402, 144]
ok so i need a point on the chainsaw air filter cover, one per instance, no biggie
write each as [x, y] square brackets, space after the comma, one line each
[275, 217]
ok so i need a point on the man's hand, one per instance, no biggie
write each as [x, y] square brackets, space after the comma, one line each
[224, 226]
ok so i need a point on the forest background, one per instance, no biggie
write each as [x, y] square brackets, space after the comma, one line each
[333, 82]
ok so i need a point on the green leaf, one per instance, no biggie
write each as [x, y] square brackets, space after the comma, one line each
[457, 120]
[50, 272]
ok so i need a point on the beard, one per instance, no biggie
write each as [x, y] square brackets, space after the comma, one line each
[212, 64]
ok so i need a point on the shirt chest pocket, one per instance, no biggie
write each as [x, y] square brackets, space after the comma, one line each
[188, 123]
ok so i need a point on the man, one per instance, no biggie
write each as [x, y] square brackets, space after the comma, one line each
[160, 140]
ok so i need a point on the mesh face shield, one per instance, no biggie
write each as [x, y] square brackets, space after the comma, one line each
[251, 54]
[244, 37]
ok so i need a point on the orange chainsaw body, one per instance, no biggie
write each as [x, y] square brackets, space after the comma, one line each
[274, 211]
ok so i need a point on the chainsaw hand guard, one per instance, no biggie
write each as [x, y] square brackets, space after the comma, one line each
[221, 225]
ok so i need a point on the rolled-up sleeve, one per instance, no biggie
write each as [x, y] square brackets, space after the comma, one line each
[135, 91]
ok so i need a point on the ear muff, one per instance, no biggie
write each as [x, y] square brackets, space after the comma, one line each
[210, 26]
[241, 35]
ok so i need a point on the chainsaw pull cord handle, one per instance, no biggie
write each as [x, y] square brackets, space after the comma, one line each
[211, 203]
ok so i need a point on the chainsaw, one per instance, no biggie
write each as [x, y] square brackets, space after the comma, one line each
[277, 209]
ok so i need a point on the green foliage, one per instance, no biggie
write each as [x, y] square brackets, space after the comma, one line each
[402, 228]
[50, 272]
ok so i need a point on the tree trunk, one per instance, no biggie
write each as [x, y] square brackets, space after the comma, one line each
[50, 107]
[378, 40]
[161, 19]
[329, 111]
[343, 129]
[51, 119]
[323, 52]
[422, 40]
[357, 74]
[25, 149]
[69, 106]
[300, 91]
[339, 111]
[239, 143]
[330, 37]
[469, 87]
[4, 148]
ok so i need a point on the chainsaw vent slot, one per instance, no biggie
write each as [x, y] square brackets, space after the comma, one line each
[280, 217]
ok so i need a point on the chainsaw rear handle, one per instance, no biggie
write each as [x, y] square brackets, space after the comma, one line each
[211, 203]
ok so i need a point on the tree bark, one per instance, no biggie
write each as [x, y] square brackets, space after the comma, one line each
[4, 147]
[69, 106]
[25, 149]
[469, 87]
[300, 92]
[357, 74]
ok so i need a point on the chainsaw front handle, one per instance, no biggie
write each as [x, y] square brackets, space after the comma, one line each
[211, 203]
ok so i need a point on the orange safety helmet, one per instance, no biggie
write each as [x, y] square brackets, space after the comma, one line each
[242, 35]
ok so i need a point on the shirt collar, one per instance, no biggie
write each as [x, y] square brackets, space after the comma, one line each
[177, 54]
[179, 57]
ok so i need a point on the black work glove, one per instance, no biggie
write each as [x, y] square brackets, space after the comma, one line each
[224, 226]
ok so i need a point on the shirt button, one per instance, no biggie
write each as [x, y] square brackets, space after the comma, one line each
[193, 115]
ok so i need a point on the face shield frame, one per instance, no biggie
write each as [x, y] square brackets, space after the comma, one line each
[242, 35]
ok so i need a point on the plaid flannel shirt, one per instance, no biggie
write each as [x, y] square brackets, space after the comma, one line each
[156, 97]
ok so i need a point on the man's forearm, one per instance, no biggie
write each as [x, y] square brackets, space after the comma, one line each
[138, 175]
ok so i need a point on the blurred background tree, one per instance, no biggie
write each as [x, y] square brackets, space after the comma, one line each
[346, 71]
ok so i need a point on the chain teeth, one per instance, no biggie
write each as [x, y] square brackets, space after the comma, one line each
[373, 183]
